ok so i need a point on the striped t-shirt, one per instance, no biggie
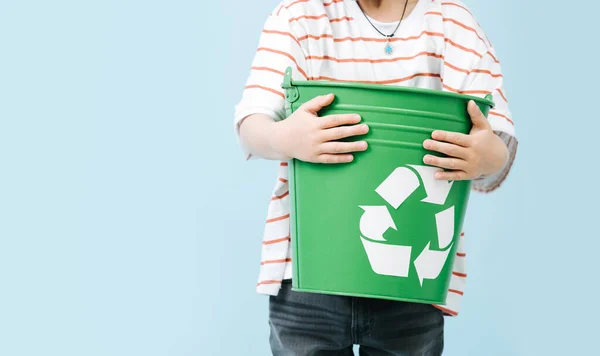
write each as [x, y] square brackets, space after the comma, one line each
[438, 46]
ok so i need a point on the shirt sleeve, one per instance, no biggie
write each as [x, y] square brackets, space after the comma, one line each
[471, 67]
[278, 49]
[485, 78]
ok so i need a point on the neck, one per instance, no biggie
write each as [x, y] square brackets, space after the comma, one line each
[387, 10]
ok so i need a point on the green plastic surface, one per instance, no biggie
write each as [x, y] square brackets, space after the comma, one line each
[329, 255]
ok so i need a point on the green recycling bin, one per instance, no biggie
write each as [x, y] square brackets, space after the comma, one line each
[380, 226]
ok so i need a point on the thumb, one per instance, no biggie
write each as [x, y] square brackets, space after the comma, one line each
[316, 104]
[479, 120]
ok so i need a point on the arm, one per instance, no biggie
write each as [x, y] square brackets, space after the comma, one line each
[256, 132]
[304, 135]
[488, 74]
[260, 122]
[471, 67]
[263, 100]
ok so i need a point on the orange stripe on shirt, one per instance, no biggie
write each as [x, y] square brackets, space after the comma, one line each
[271, 242]
[294, 3]
[326, 35]
[369, 39]
[456, 68]
[284, 260]
[502, 94]
[463, 47]
[461, 254]
[283, 33]
[463, 275]
[262, 263]
[283, 180]
[308, 17]
[428, 33]
[446, 310]
[367, 60]
[455, 291]
[485, 71]
[393, 39]
[340, 19]
[447, 87]
[322, 16]
[303, 1]
[495, 113]
[457, 5]
[270, 50]
[468, 28]
[283, 164]
[279, 218]
[494, 57]
[472, 92]
[268, 70]
[265, 88]
[278, 197]
[268, 282]
[389, 81]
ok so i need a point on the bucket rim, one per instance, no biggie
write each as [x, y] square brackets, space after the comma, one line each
[288, 83]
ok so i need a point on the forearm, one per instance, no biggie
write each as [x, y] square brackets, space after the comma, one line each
[257, 132]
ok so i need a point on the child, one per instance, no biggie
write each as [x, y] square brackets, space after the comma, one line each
[420, 43]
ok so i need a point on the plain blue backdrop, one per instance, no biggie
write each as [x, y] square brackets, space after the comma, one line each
[130, 225]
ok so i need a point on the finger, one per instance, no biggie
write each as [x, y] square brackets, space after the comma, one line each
[452, 175]
[338, 133]
[456, 138]
[343, 147]
[477, 117]
[447, 163]
[449, 149]
[317, 103]
[330, 121]
[334, 159]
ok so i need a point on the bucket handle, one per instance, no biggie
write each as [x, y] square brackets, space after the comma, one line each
[490, 97]
[291, 92]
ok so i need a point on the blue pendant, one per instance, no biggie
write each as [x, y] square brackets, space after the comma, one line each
[388, 49]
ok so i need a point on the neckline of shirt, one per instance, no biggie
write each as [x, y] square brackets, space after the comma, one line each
[386, 27]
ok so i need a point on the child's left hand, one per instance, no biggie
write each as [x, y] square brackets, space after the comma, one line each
[480, 153]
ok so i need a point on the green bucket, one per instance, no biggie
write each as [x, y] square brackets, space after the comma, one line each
[380, 226]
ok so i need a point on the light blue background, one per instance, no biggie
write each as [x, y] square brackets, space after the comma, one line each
[129, 224]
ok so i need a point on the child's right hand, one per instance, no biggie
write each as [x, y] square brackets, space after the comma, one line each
[307, 137]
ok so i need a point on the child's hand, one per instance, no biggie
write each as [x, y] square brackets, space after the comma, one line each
[309, 138]
[480, 153]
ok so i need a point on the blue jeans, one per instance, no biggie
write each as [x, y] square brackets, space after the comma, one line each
[309, 324]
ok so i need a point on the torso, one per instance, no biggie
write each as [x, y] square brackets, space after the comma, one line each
[348, 48]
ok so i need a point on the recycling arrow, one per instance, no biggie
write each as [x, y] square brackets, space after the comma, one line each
[375, 222]
[388, 260]
[394, 260]
[444, 221]
[437, 190]
[398, 186]
[430, 263]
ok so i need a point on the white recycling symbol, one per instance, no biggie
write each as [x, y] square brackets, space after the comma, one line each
[394, 260]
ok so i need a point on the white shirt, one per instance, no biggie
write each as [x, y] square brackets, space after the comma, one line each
[438, 46]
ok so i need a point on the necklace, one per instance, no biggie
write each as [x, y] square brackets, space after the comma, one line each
[388, 46]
